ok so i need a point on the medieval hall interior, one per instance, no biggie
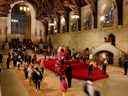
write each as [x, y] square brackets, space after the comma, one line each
[63, 47]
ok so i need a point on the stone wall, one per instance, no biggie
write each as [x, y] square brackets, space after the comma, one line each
[94, 40]
[3, 28]
[91, 39]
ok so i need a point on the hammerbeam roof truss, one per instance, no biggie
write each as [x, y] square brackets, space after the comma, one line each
[46, 8]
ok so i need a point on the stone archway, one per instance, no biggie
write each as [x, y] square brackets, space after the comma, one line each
[33, 20]
[104, 54]
[111, 49]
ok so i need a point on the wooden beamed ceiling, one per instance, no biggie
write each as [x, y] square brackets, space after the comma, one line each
[46, 8]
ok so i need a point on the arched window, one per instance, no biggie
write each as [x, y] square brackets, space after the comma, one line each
[74, 17]
[86, 18]
[51, 25]
[20, 19]
[107, 13]
[62, 24]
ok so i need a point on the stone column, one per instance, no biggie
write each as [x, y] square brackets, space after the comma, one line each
[58, 24]
[46, 30]
[120, 11]
[125, 14]
[28, 31]
[66, 16]
[95, 13]
[9, 25]
[51, 31]
[79, 20]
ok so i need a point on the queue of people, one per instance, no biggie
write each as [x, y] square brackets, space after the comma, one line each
[22, 60]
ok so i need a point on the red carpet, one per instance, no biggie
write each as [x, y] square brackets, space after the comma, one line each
[79, 70]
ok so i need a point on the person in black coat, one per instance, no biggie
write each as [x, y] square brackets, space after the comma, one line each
[90, 70]
[29, 59]
[125, 65]
[19, 60]
[26, 71]
[68, 73]
[8, 60]
[34, 59]
[1, 59]
[104, 66]
[14, 58]
[37, 76]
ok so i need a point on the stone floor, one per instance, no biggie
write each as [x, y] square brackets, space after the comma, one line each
[12, 83]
